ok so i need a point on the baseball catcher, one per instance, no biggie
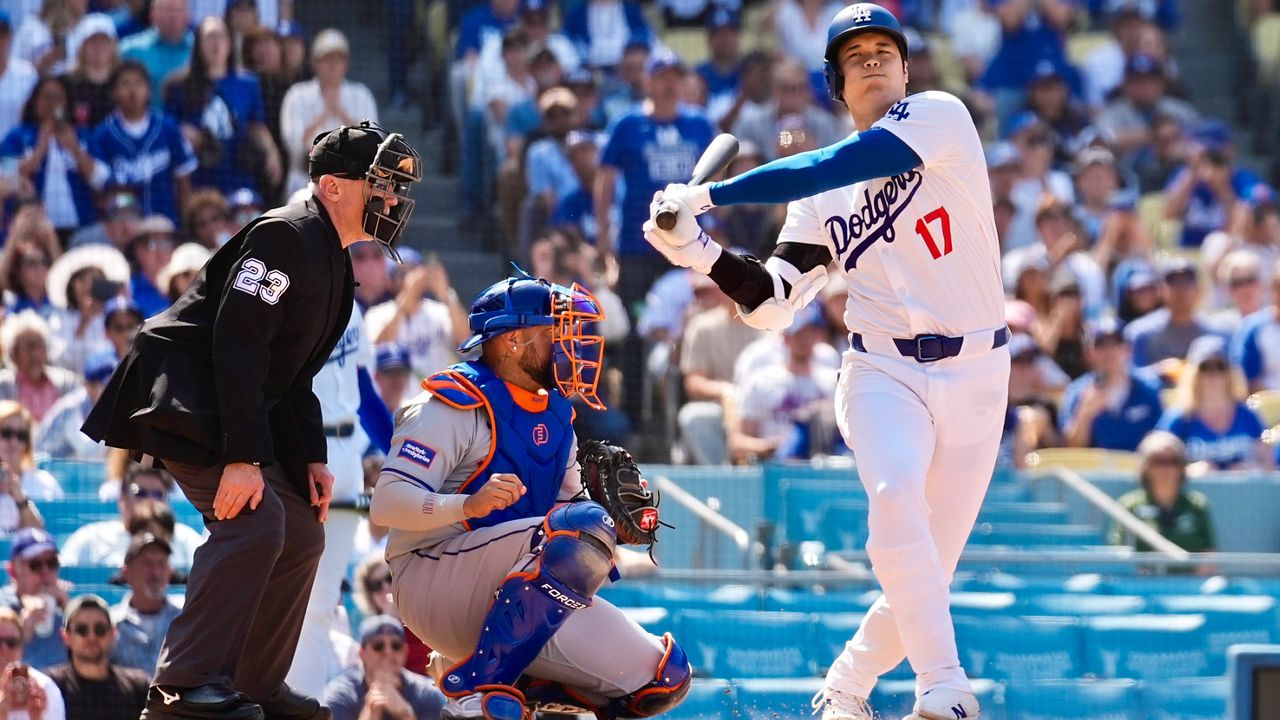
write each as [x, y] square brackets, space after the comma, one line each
[496, 549]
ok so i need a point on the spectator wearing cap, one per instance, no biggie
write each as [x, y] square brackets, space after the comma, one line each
[17, 77]
[549, 176]
[89, 80]
[148, 251]
[1113, 406]
[1240, 279]
[164, 47]
[91, 684]
[58, 435]
[1098, 194]
[1138, 290]
[326, 101]
[122, 318]
[33, 697]
[381, 687]
[51, 155]
[1143, 97]
[1061, 332]
[1165, 503]
[1103, 67]
[721, 72]
[244, 204]
[178, 274]
[792, 96]
[1051, 95]
[46, 37]
[29, 378]
[37, 595]
[602, 29]
[649, 148]
[1038, 180]
[1210, 415]
[119, 213]
[1203, 194]
[392, 373]
[105, 543]
[1255, 346]
[221, 114]
[1031, 31]
[142, 617]
[80, 283]
[577, 209]
[142, 148]
[425, 317]
[1167, 333]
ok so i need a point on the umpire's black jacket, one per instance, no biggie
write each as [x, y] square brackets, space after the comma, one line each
[224, 375]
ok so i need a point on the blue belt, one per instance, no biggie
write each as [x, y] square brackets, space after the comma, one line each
[930, 348]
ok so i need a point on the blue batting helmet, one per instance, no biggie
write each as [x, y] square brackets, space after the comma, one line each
[507, 305]
[849, 22]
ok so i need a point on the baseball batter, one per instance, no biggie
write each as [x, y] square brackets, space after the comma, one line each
[495, 552]
[903, 209]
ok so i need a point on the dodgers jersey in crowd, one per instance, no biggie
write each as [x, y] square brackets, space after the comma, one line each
[920, 249]
[337, 386]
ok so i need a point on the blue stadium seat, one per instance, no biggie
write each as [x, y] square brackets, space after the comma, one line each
[834, 630]
[982, 603]
[777, 698]
[1148, 647]
[77, 477]
[1073, 700]
[111, 593]
[845, 600]
[655, 620]
[1229, 620]
[1186, 699]
[1081, 604]
[693, 597]
[896, 698]
[1042, 513]
[743, 644]
[1025, 585]
[707, 700]
[1031, 534]
[87, 575]
[1154, 585]
[842, 524]
[1020, 648]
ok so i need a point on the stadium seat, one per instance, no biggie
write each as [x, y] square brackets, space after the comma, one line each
[743, 644]
[87, 575]
[1081, 604]
[1267, 404]
[1229, 620]
[1073, 700]
[776, 698]
[895, 698]
[689, 43]
[1030, 584]
[1186, 699]
[836, 629]
[1149, 585]
[843, 600]
[1028, 535]
[707, 700]
[1020, 648]
[1080, 44]
[688, 597]
[655, 620]
[1266, 47]
[77, 477]
[842, 524]
[1046, 513]
[1148, 647]
[982, 604]
[1083, 459]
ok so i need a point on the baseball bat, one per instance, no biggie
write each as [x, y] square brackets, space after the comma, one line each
[722, 150]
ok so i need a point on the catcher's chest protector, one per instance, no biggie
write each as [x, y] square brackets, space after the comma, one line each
[533, 446]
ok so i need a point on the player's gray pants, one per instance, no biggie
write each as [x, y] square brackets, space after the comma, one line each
[248, 588]
[444, 593]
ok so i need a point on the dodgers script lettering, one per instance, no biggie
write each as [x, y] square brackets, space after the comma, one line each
[874, 218]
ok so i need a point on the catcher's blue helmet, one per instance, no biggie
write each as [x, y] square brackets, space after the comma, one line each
[526, 301]
[855, 20]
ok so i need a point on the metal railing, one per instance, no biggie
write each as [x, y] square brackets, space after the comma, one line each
[710, 519]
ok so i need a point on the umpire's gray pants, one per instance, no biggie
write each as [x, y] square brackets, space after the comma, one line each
[248, 588]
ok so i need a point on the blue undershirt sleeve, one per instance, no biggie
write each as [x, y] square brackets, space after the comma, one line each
[862, 156]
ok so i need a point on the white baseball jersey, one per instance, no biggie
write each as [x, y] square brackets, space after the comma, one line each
[337, 386]
[919, 249]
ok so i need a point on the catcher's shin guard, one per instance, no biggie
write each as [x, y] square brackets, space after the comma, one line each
[529, 607]
[503, 702]
[661, 694]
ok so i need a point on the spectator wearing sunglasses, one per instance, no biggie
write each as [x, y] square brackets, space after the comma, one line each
[37, 595]
[1210, 414]
[380, 686]
[25, 693]
[1255, 347]
[142, 618]
[106, 542]
[92, 686]
[30, 378]
[21, 482]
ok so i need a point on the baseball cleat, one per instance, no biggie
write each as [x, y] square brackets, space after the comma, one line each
[207, 702]
[945, 704]
[836, 705]
[466, 707]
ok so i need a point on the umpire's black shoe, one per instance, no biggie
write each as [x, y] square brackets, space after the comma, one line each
[165, 702]
[289, 704]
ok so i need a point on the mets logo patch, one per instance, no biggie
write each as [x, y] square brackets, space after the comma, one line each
[540, 434]
[417, 453]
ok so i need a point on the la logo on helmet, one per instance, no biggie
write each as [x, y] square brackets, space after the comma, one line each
[861, 15]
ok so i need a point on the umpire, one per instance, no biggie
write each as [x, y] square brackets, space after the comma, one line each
[218, 389]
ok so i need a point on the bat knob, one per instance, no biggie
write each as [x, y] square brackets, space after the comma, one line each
[666, 219]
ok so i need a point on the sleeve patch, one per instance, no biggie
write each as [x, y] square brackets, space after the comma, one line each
[417, 453]
[255, 279]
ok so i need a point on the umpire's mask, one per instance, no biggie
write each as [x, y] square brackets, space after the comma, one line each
[388, 164]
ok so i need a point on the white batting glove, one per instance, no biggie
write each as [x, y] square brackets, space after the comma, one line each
[697, 197]
[685, 245]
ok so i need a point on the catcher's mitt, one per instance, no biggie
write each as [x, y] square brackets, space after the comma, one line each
[613, 480]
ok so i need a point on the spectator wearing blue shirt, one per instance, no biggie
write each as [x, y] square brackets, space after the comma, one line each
[481, 24]
[602, 29]
[144, 149]
[164, 47]
[722, 71]
[37, 596]
[1210, 414]
[1031, 31]
[221, 114]
[577, 208]
[1167, 333]
[143, 616]
[50, 153]
[1255, 347]
[148, 253]
[649, 149]
[380, 686]
[1203, 193]
[548, 175]
[1112, 406]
